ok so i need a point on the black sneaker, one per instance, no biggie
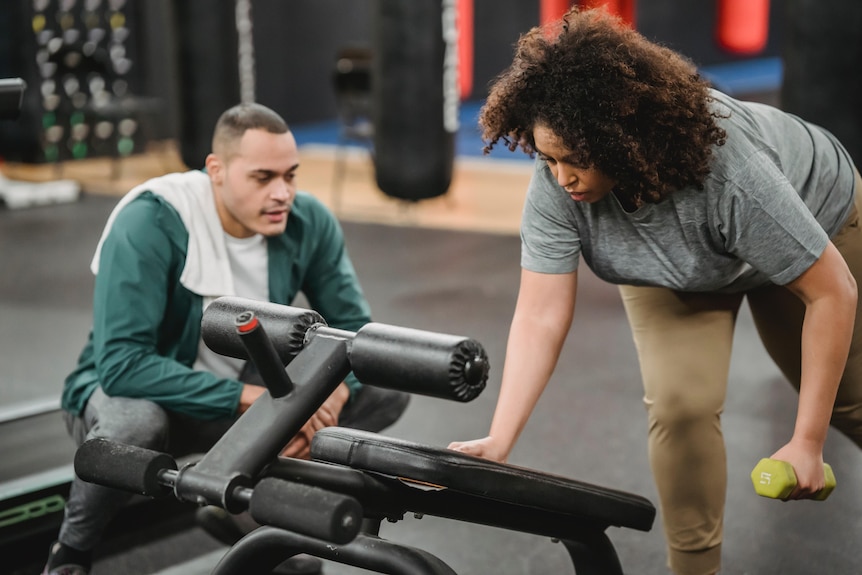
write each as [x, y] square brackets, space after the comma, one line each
[230, 528]
[66, 567]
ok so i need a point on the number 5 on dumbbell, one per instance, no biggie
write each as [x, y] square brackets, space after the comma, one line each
[777, 480]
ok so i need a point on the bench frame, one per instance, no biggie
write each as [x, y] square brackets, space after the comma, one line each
[243, 471]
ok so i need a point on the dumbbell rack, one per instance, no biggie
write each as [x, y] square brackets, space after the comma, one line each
[357, 479]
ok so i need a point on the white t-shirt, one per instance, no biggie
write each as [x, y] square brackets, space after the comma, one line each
[249, 267]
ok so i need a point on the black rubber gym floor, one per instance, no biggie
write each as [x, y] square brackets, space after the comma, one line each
[590, 424]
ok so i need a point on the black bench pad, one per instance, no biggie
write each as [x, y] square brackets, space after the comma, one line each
[489, 487]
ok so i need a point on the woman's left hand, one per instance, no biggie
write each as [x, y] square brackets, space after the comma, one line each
[807, 462]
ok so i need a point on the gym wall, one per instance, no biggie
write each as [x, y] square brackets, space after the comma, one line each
[78, 63]
[296, 43]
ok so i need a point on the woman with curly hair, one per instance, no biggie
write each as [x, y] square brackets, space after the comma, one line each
[690, 201]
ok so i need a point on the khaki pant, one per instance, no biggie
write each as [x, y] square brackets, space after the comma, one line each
[684, 342]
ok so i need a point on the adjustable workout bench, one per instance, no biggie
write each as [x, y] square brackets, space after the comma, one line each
[332, 506]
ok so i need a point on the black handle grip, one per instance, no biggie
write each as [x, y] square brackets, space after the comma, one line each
[124, 467]
[306, 510]
[417, 361]
[263, 354]
[286, 326]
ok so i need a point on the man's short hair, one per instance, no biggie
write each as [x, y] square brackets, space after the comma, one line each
[235, 121]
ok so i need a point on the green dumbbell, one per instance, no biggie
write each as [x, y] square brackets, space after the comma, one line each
[777, 480]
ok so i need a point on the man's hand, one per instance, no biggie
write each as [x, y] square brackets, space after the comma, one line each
[249, 394]
[326, 416]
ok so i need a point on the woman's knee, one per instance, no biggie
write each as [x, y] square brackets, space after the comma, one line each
[680, 409]
[847, 418]
[847, 410]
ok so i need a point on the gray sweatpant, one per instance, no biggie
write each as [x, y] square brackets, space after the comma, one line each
[143, 423]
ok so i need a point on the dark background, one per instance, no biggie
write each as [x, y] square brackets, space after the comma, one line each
[184, 58]
[296, 44]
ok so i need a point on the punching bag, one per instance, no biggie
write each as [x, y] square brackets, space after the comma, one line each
[552, 10]
[822, 51]
[742, 26]
[625, 9]
[414, 87]
[465, 48]
[208, 72]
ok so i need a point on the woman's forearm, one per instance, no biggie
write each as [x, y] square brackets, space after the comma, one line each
[829, 293]
[530, 361]
[539, 327]
[826, 334]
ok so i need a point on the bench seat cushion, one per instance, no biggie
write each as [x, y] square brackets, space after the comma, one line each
[475, 489]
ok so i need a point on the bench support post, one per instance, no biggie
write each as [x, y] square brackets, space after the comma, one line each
[265, 548]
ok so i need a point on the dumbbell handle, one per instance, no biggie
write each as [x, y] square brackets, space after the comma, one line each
[777, 480]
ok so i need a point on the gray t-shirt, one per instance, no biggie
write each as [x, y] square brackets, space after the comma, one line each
[777, 190]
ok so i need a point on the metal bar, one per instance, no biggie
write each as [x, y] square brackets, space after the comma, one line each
[263, 549]
[260, 434]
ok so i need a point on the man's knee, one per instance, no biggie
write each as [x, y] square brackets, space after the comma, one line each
[131, 421]
[374, 409]
[396, 404]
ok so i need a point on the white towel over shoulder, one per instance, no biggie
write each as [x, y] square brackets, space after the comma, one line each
[207, 270]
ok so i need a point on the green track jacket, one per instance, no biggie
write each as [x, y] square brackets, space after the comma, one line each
[147, 326]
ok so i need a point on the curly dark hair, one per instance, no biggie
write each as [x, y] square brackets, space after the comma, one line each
[636, 111]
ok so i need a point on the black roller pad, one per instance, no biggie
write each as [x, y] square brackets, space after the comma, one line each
[306, 510]
[417, 361]
[123, 467]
